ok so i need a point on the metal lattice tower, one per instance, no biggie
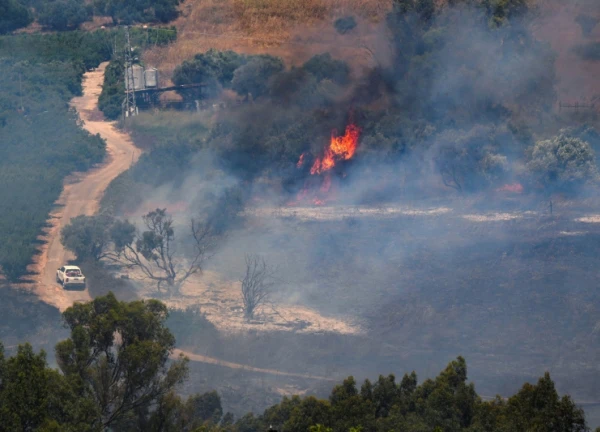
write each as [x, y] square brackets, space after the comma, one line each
[130, 105]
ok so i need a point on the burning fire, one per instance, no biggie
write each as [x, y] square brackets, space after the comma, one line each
[340, 148]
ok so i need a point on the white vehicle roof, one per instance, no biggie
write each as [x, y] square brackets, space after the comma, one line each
[72, 268]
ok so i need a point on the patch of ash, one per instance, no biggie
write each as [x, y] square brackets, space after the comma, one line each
[498, 217]
[589, 219]
[333, 213]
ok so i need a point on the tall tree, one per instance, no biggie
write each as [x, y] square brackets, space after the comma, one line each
[118, 353]
[154, 252]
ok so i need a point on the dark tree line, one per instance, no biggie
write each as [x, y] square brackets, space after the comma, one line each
[116, 372]
[70, 14]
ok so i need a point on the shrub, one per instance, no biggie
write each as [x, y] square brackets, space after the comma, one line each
[215, 68]
[563, 162]
[254, 77]
[587, 24]
[13, 15]
[323, 66]
[64, 14]
[589, 51]
[345, 24]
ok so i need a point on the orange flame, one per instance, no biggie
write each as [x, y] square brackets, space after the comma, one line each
[301, 160]
[340, 148]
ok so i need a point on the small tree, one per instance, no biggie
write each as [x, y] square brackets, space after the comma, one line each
[257, 284]
[87, 236]
[562, 163]
[154, 251]
[254, 77]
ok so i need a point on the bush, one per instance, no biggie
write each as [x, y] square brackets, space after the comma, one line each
[215, 68]
[587, 23]
[323, 66]
[345, 24]
[13, 15]
[64, 14]
[131, 11]
[563, 163]
[468, 161]
[254, 77]
[589, 51]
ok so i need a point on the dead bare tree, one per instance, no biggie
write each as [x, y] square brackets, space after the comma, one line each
[154, 254]
[257, 284]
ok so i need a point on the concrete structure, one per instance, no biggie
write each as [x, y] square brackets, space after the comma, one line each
[151, 77]
[139, 82]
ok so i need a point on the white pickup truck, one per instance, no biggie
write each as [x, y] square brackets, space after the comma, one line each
[70, 276]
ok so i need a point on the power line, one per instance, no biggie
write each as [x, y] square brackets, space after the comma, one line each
[130, 103]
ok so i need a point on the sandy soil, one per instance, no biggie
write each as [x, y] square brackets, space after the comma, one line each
[220, 300]
[82, 192]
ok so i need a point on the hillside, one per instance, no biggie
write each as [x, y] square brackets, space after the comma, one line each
[293, 30]
[297, 30]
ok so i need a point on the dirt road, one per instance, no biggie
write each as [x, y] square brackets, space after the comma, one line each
[82, 192]
[211, 360]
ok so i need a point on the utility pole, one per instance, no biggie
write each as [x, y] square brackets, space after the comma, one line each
[130, 105]
[21, 92]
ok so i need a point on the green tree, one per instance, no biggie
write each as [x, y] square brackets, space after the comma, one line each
[118, 354]
[538, 407]
[35, 397]
[563, 163]
[88, 237]
[63, 14]
[213, 68]
[13, 15]
[254, 77]
[323, 66]
[131, 11]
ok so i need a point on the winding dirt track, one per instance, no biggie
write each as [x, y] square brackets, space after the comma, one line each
[210, 360]
[82, 192]
[81, 196]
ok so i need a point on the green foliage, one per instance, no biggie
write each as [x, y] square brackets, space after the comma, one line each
[587, 23]
[13, 15]
[113, 89]
[87, 236]
[132, 11]
[213, 68]
[254, 76]
[35, 397]
[344, 25]
[114, 374]
[446, 403]
[563, 162]
[589, 51]
[118, 354]
[468, 161]
[323, 66]
[42, 143]
[63, 14]
[111, 99]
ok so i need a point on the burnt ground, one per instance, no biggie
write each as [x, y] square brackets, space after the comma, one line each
[514, 292]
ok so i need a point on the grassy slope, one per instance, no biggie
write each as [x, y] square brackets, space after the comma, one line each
[292, 29]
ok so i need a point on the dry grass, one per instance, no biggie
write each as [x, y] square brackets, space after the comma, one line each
[291, 29]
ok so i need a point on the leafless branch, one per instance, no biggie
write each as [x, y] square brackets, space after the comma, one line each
[257, 284]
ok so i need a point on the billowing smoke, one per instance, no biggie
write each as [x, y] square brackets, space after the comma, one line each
[435, 235]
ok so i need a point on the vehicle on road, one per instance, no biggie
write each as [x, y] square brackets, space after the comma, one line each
[70, 277]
